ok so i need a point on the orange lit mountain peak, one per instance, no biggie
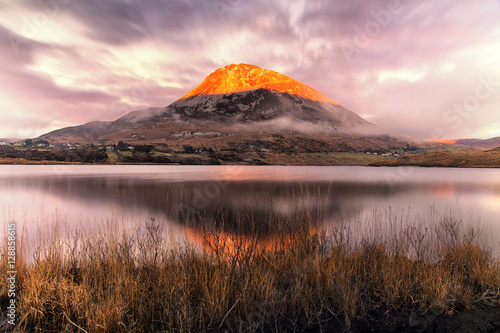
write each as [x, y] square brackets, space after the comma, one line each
[243, 77]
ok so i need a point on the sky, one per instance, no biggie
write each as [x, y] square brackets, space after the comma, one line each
[426, 69]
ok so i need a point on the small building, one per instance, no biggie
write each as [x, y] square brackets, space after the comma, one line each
[3, 143]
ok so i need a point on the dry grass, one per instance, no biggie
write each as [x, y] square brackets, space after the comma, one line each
[119, 281]
[482, 159]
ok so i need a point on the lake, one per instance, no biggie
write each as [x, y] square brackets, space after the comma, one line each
[186, 197]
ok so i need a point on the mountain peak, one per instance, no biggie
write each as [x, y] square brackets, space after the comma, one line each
[232, 100]
[244, 77]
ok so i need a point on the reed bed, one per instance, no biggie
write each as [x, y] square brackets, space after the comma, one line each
[301, 278]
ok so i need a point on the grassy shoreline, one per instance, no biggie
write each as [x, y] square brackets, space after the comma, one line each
[304, 280]
[319, 159]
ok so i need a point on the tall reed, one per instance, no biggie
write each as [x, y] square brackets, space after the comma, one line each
[299, 278]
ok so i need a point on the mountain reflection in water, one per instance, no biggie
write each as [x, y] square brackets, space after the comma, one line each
[245, 201]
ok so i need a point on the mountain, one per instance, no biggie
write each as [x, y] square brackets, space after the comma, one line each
[239, 106]
[480, 143]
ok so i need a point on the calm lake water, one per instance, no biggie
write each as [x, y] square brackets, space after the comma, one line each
[39, 196]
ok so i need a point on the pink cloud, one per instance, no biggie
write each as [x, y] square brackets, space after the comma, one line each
[68, 82]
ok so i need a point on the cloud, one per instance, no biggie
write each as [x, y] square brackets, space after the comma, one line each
[407, 63]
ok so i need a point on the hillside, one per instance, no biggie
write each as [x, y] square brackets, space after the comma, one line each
[480, 143]
[483, 159]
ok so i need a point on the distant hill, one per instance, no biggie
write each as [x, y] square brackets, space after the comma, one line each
[480, 143]
[11, 140]
[483, 159]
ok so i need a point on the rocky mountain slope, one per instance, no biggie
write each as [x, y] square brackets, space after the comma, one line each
[233, 106]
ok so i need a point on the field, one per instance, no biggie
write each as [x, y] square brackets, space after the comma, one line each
[273, 150]
[214, 158]
[483, 159]
[398, 275]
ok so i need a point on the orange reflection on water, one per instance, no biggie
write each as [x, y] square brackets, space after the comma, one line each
[445, 190]
[231, 246]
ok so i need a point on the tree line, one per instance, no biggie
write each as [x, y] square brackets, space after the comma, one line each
[59, 155]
